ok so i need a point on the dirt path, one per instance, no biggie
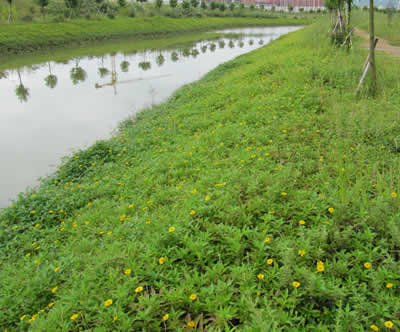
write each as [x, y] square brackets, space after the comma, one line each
[382, 45]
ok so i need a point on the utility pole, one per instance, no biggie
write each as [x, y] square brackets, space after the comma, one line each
[372, 47]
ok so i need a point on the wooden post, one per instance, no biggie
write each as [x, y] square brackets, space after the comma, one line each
[372, 47]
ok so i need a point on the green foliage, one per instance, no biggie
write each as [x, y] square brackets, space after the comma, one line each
[264, 197]
[158, 3]
[194, 3]
[213, 5]
[203, 5]
[173, 3]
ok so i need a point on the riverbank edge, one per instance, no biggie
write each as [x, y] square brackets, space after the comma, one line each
[22, 39]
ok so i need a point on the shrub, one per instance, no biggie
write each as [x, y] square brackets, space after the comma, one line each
[173, 3]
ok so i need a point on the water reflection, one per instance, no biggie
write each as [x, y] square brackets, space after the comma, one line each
[21, 91]
[55, 107]
[79, 75]
[51, 80]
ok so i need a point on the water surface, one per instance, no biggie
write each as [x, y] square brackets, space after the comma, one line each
[51, 109]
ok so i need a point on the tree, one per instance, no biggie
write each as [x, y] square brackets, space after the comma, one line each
[42, 4]
[222, 7]
[124, 66]
[10, 15]
[77, 74]
[186, 5]
[122, 3]
[174, 57]
[213, 5]
[194, 3]
[372, 47]
[160, 60]
[3, 74]
[21, 91]
[158, 3]
[232, 6]
[144, 65]
[203, 5]
[51, 80]
[290, 7]
[173, 3]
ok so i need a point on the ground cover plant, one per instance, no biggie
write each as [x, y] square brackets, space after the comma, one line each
[264, 197]
[25, 38]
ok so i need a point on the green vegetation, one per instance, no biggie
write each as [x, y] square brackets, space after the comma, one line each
[264, 197]
[385, 26]
[24, 38]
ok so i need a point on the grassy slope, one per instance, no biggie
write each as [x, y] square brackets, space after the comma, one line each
[214, 162]
[23, 38]
[382, 27]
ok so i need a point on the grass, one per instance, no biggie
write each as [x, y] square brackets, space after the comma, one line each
[264, 197]
[34, 37]
[383, 28]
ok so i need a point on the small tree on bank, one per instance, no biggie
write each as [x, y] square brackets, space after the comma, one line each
[10, 15]
[173, 3]
[42, 4]
[158, 3]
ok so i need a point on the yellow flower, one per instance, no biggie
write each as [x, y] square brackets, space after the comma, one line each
[260, 276]
[51, 304]
[148, 222]
[162, 260]
[302, 222]
[267, 240]
[56, 269]
[193, 297]
[128, 271]
[367, 265]
[374, 327]
[388, 324]
[165, 317]
[192, 212]
[207, 198]
[394, 195]
[270, 261]
[73, 317]
[194, 191]
[302, 253]
[131, 206]
[108, 302]
[295, 284]
[22, 318]
[320, 268]
[389, 285]
[139, 289]
[171, 229]
[33, 212]
[115, 318]
[331, 210]
[191, 324]
[54, 289]
[283, 194]
[122, 218]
